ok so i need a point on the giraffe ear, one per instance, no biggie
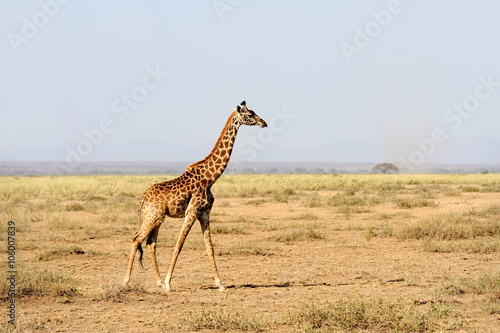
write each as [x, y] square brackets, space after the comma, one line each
[243, 103]
[238, 108]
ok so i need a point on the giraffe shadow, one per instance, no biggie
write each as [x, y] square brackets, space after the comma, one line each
[253, 286]
[279, 285]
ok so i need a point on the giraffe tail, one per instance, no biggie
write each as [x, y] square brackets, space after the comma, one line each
[140, 255]
[139, 247]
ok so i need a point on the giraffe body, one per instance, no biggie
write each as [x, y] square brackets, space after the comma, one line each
[188, 196]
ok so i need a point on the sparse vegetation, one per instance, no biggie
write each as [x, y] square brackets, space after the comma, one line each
[247, 249]
[413, 203]
[479, 245]
[355, 313]
[228, 230]
[32, 281]
[306, 216]
[109, 291]
[470, 189]
[221, 320]
[64, 251]
[486, 285]
[297, 235]
[75, 207]
[414, 253]
[26, 323]
[455, 226]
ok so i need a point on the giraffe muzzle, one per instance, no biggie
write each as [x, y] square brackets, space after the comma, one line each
[262, 123]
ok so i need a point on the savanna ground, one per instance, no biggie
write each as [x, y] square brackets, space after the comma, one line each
[297, 253]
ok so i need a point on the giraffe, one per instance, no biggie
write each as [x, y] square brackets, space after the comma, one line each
[188, 196]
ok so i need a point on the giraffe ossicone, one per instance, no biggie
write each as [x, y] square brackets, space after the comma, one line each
[188, 196]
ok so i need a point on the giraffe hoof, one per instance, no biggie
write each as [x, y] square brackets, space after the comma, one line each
[222, 288]
[167, 289]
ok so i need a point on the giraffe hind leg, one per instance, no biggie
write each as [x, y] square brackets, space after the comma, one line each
[136, 245]
[151, 242]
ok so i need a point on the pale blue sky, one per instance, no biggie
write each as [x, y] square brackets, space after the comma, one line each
[410, 82]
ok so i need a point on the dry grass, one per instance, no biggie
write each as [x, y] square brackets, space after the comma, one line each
[351, 313]
[355, 313]
[229, 230]
[485, 284]
[115, 292]
[413, 203]
[31, 281]
[65, 251]
[26, 323]
[456, 226]
[292, 247]
[301, 232]
[221, 320]
[247, 249]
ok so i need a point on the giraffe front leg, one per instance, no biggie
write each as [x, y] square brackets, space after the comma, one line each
[205, 228]
[186, 227]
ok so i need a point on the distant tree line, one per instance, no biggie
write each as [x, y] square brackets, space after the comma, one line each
[177, 168]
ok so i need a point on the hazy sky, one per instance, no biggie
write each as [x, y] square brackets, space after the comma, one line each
[408, 82]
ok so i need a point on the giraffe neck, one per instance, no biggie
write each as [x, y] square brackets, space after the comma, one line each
[216, 162]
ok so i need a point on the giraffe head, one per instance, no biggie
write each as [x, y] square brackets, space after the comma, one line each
[248, 117]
